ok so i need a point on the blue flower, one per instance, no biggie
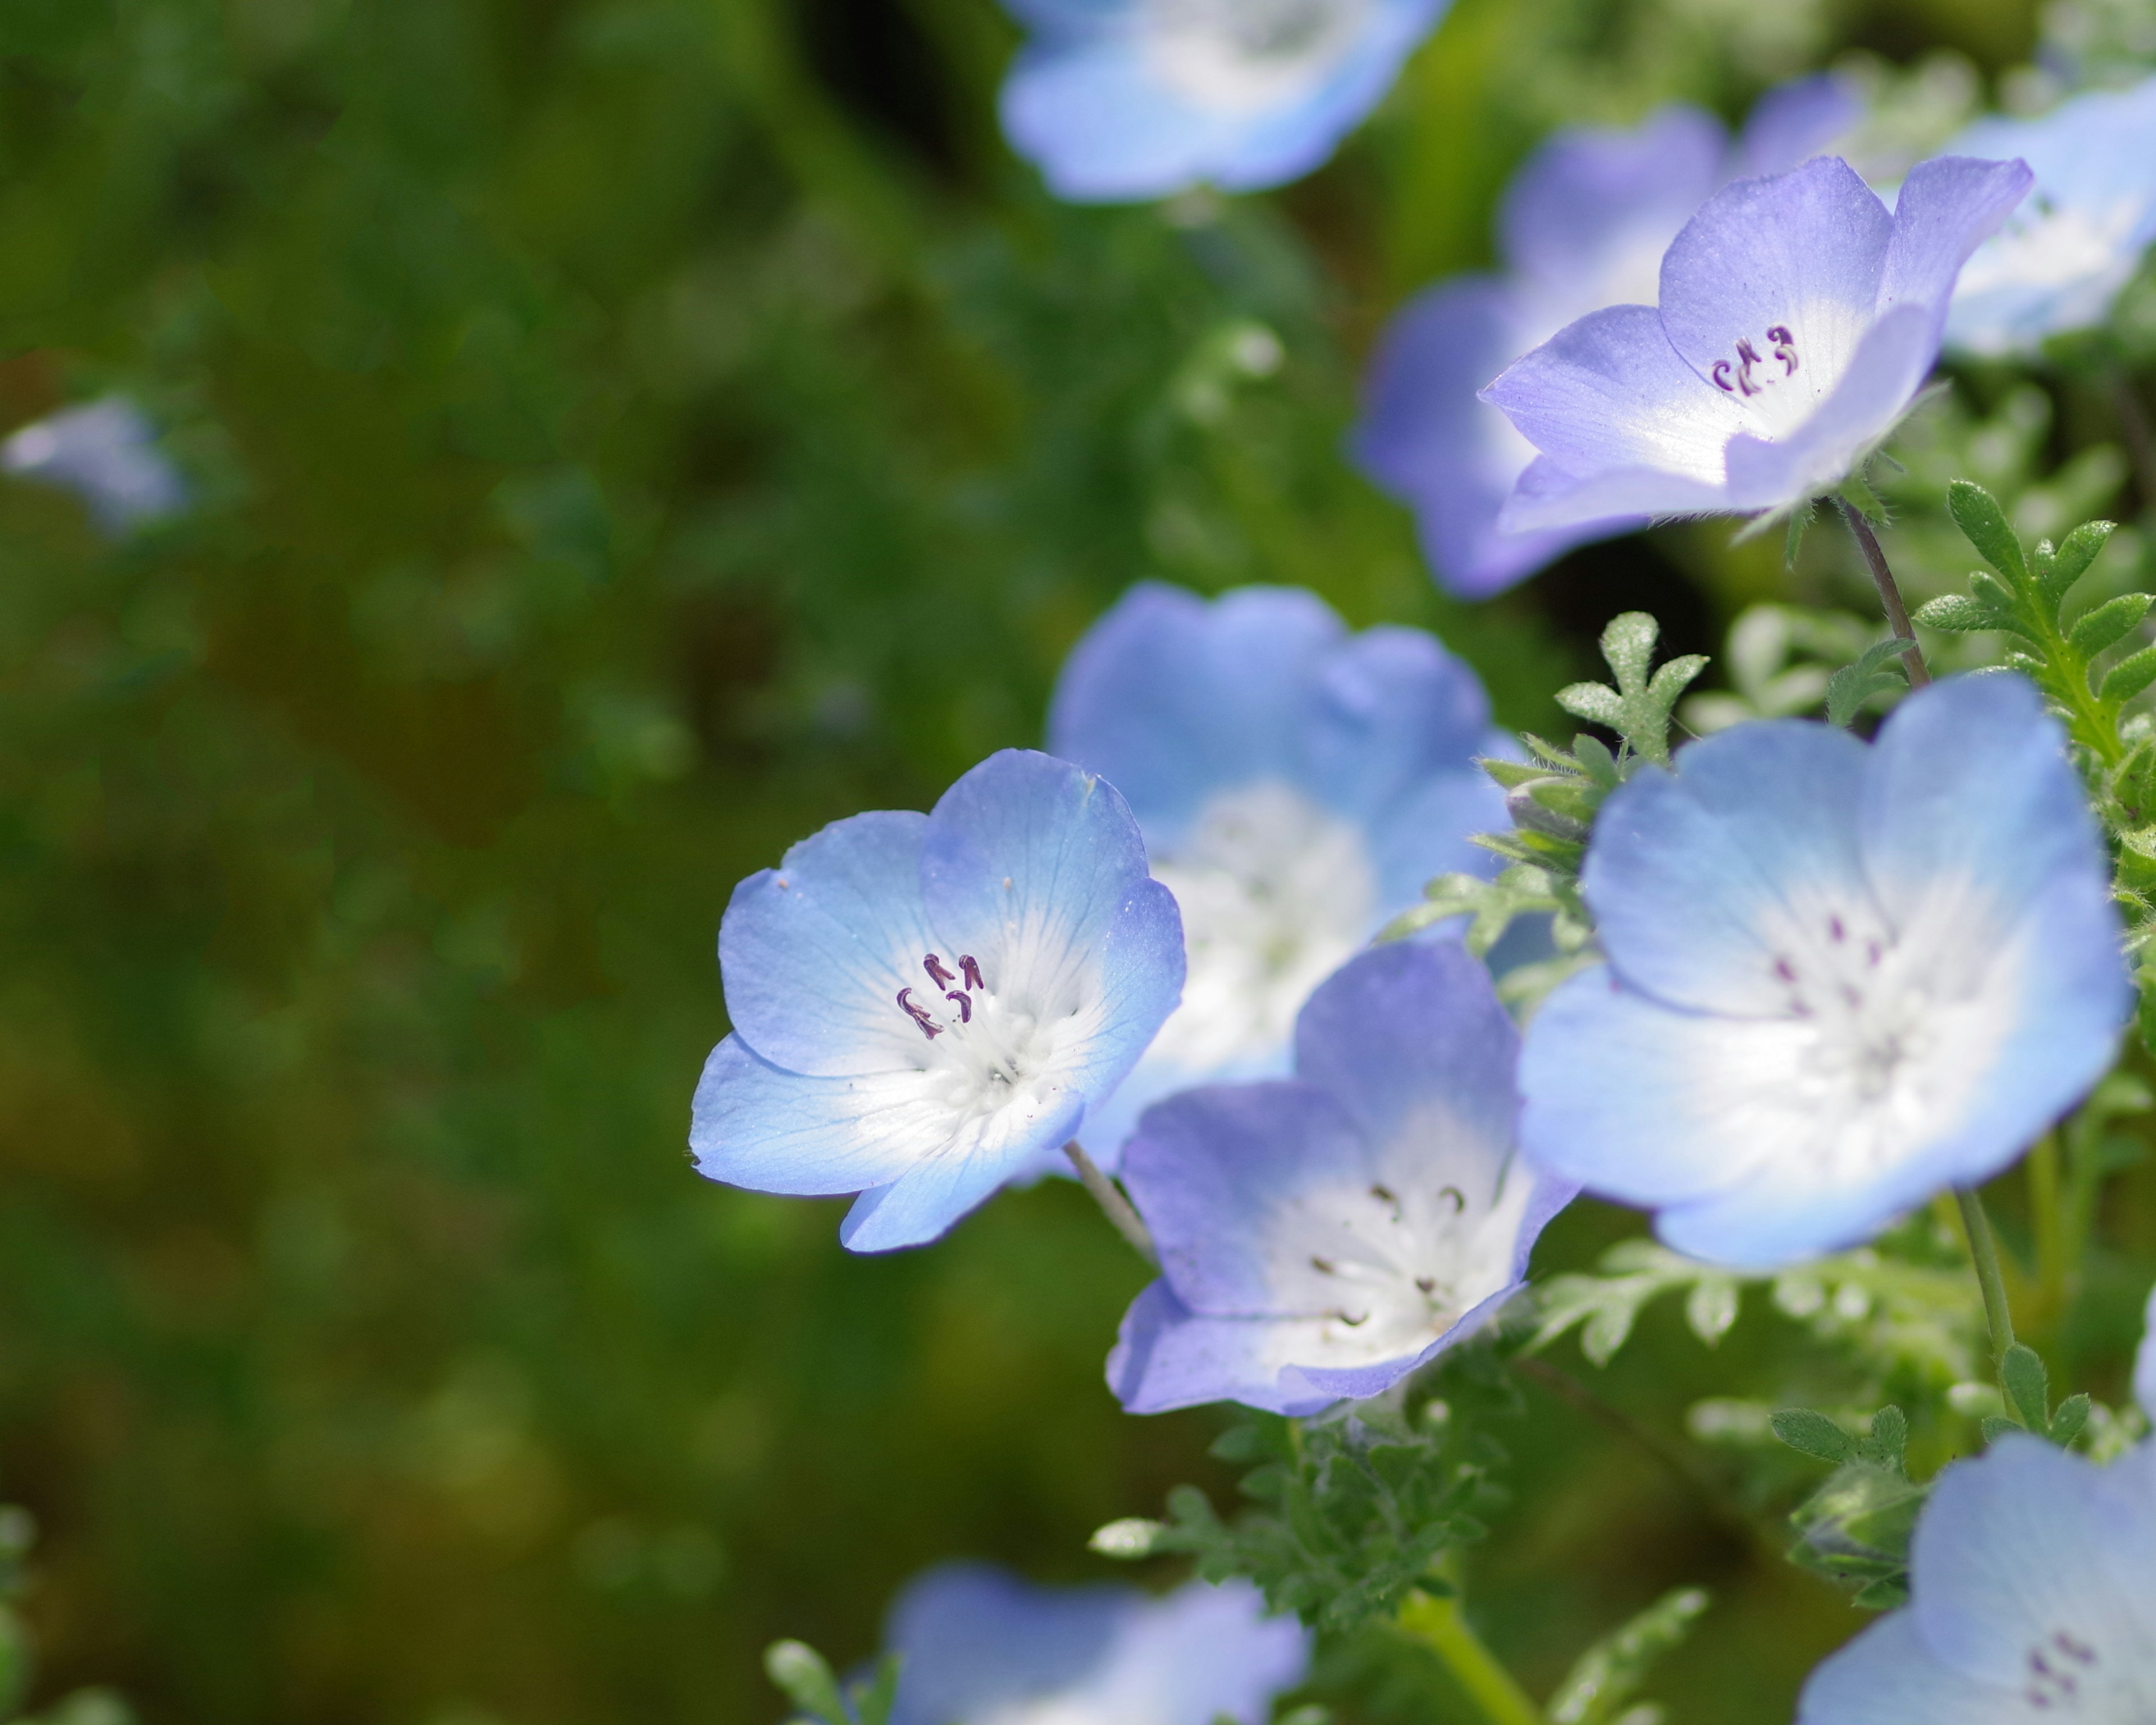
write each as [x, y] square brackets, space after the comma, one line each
[1297, 785]
[981, 1647]
[1321, 1237]
[1798, 320]
[2033, 1596]
[1585, 224]
[2062, 259]
[1120, 100]
[1840, 977]
[105, 452]
[2144, 1370]
[922, 1004]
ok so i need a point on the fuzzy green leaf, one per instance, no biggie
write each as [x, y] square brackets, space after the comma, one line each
[1628, 645]
[1610, 1672]
[2028, 1386]
[1958, 614]
[2071, 560]
[1879, 669]
[1813, 1434]
[1595, 702]
[2108, 624]
[2070, 1419]
[1711, 1308]
[2129, 676]
[1985, 525]
[799, 1671]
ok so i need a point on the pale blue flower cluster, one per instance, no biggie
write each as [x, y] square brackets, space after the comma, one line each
[107, 453]
[981, 1647]
[1121, 100]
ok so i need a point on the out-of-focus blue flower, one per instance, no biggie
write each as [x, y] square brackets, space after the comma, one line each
[1798, 320]
[2033, 1597]
[1118, 101]
[1583, 225]
[2144, 1371]
[1297, 786]
[105, 452]
[2063, 257]
[981, 1647]
[922, 1004]
[1321, 1237]
[1840, 977]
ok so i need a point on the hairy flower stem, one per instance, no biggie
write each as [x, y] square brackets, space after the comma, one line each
[1439, 1625]
[1984, 1250]
[2047, 1212]
[1109, 1196]
[1890, 595]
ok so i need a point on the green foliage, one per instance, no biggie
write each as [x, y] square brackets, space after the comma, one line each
[1778, 659]
[1354, 1513]
[1638, 708]
[1610, 1672]
[1879, 669]
[801, 1673]
[1855, 1528]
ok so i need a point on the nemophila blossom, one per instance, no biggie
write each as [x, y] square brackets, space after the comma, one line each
[2061, 258]
[1841, 977]
[981, 1647]
[1321, 1237]
[1119, 100]
[1583, 225]
[105, 452]
[1297, 784]
[923, 1002]
[1798, 319]
[2144, 1371]
[2032, 1598]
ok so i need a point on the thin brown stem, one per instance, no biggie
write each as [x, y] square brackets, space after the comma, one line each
[1890, 595]
[1117, 1208]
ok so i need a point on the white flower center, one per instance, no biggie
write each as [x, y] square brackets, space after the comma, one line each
[1276, 894]
[1387, 1269]
[2070, 1678]
[985, 1050]
[1243, 56]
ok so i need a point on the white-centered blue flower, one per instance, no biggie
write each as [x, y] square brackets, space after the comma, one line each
[1122, 100]
[1297, 785]
[105, 452]
[1841, 977]
[1798, 319]
[1321, 1237]
[1583, 225]
[981, 1647]
[923, 1004]
[2032, 1601]
[2061, 259]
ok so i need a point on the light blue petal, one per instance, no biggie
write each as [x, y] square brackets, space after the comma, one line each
[760, 1127]
[923, 1203]
[814, 952]
[1948, 206]
[1208, 1169]
[1103, 129]
[1390, 709]
[1173, 699]
[1888, 1676]
[973, 1638]
[1795, 121]
[1803, 249]
[1607, 398]
[1168, 1357]
[1412, 1035]
[2144, 1370]
[1453, 459]
[1201, 1655]
[1969, 782]
[1694, 876]
[1589, 190]
[2007, 1554]
[1431, 833]
[1155, 1078]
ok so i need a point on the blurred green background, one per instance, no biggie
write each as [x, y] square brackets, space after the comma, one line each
[628, 435]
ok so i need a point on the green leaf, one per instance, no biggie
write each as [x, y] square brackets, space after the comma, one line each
[1609, 1673]
[1813, 1434]
[1596, 702]
[2070, 1420]
[1628, 645]
[1995, 1427]
[1958, 614]
[1889, 1441]
[1793, 540]
[1131, 1538]
[1671, 681]
[2071, 561]
[1849, 688]
[2129, 676]
[1983, 524]
[874, 1701]
[799, 1671]
[2108, 624]
[1711, 1308]
[2028, 1386]
[1596, 761]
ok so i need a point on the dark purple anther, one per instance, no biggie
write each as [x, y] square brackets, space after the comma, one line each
[1747, 357]
[965, 1006]
[1835, 931]
[971, 967]
[1785, 347]
[929, 1027]
[937, 973]
[1722, 369]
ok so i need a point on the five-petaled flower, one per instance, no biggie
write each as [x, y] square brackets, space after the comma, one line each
[1323, 1236]
[981, 1647]
[2033, 1597]
[2062, 259]
[1296, 785]
[1585, 224]
[1840, 977]
[1798, 321]
[923, 1002]
[1119, 100]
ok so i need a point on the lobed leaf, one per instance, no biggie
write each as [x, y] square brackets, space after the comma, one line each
[1813, 1434]
[1959, 613]
[2129, 676]
[2108, 624]
[2071, 560]
[1985, 525]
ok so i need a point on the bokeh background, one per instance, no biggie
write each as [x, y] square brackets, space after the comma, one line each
[625, 435]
